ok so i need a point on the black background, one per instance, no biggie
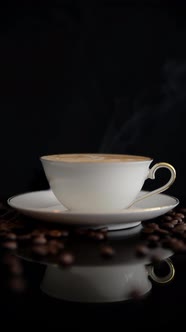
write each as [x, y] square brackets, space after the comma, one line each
[92, 76]
[106, 76]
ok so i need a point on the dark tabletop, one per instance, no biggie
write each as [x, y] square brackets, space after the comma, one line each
[78, 278]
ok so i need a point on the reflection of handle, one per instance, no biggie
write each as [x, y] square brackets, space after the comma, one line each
[151, 175]
[162, 280]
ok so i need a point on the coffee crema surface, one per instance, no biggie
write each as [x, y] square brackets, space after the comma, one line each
[95, 158]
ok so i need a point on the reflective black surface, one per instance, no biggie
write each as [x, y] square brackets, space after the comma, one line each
[95, 290]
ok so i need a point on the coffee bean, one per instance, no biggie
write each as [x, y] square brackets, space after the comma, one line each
[55, 233]
[56, 243]
[178, 247]
[64, 233]
[107, 251]
[37, 233]
[168, 225]
[148, 230]
[39, 240]
[54, 247]
[167, 218]
[152, 225]
[178, 231]
[53, 250]
[162, 231]
[171, 213]
[12, 245]
[181, 227]
[153, 238]
[180, 220]
[142, 250]
[99, 236]
[174, 221]
[179, 215]
[40, 250]
[11, 236]
[66, 259]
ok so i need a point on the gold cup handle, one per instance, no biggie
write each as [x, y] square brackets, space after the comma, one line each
[162, 280]
[151, 175]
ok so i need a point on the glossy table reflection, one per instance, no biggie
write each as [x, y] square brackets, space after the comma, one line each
[102, 291]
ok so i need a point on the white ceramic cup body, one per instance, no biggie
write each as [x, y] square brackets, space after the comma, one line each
[96, 186]
[101, 183]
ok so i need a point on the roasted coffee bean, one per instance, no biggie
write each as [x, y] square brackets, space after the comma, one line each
[40, 250]
[179, 215]
[11, 236]
[171, 213]
[107, 251]
[168, 225]
[55, 233]
[54, 247]
[177, 231]
[56, 243]
[12, 245]
[174, 221]
[142, 250]
[64, 233]
[66, 259]
[99, 236]
[37, 233]
[180, 220]
[167, 218]
[153, 238]
[40, 240]
[181, 227]
[53, 250]
[162, 231]
[148, 230]
[178, 247]
[151, 225]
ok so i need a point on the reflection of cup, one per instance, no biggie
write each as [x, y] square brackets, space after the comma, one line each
[100, 182]
[110, 283]
[95, 283]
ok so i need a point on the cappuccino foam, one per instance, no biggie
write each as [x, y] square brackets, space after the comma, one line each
[94, 158]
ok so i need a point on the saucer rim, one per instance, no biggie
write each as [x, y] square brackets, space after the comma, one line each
[88, 213]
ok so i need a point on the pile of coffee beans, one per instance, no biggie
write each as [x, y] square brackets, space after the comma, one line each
[169, 231]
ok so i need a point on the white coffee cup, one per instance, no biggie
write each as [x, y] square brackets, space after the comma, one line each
[101, 182]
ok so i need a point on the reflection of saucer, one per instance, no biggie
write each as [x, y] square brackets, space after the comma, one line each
[43, 205]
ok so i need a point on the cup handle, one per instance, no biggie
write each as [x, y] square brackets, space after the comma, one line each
[151, 175]
[165, 279]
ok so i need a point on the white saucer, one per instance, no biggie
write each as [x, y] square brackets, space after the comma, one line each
[43, 205]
